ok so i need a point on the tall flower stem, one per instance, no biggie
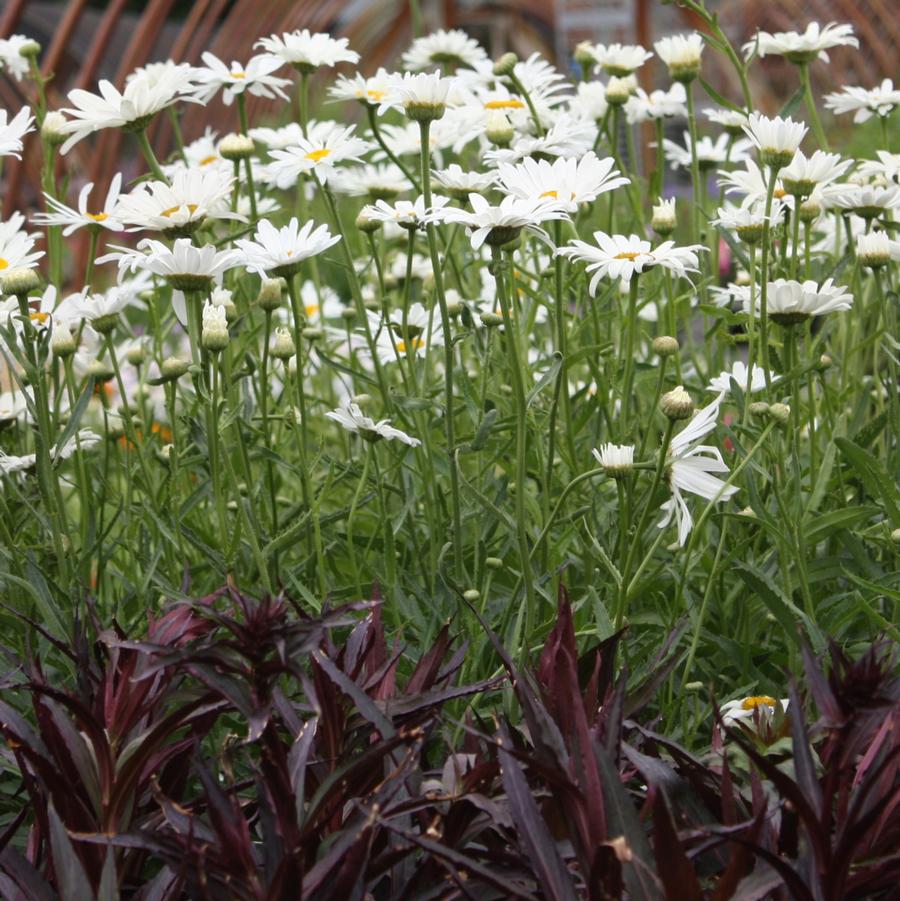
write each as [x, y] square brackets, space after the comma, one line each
[695, 164]
[814, 120]
[149, 156]
[248, 167]
[764, 278]
[436, 265]
[376, 133]
[518, 385]
[628, 351]
[751, 326]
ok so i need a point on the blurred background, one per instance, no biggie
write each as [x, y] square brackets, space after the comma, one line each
[86, 40]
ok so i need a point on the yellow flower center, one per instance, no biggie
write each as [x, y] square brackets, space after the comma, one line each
[3, 263]
[39, 317]
[312, 309]
[627, 255]
[172, 210]
[758, 701]
[375, 95]
[779, 193]
[208, 159]
[239, 74]
[98, 217]
[553, 194]
[414, 344]
[317, 155]
[504, 104]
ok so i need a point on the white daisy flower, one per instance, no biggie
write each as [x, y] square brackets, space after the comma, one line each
[748, 382]
[751, 183]
[459, 183]
[805, 47]
[72, 220]
[733, 121]
[132, 109]
[16, 246]
[789, 301]
[568, 181]
[589, 101]
[421, 94]
[181, 207]
[405, 213]
[444, 48]
[497, 225]
[567, 137]
[747, 221]
[644, 107]
[681, 53]
[776, 139]
[620, 59]
[351, 417]
[690, 465]
[868, 201]
[317, 153]
[382, 181]
[306, 51]
[617, 460]
[887, 166]
[621, 257]
[369, 91]
[253, 78]
[12, 132]
[104, 306]
[803, 174]
[876, 249]
[742, 710]
[865, 103]
[709, 153]
[279, 252]
[11, 57]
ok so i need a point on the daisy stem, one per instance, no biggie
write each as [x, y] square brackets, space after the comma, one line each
[659, 174]
[150, 158]
[795, 237]
[172, 113]
[517, 84]
[636, 541]
[303, 101]
[628, 350]
[376, 133]
[267, 436]
[764, 279]
[248, 168]
[424, 130]
[93, 235]
[499, 265]
[814, 120]
[695, 164]
[751, 328]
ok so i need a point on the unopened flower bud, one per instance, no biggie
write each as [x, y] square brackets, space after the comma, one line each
[62, 343]
[491, 320]
[498, 129]
[493, 563]
[759, 408]
[618, 90]
[52, 132]
[270, 294]
[693, 686]
[20, 281]
[362, 400]
[665, 346]
[505, 65]
[781, 413]
[236, 147]
[136, 354]
[825, 362]
[312, 333]
[895, 536]
[663, 220]
[173, 368]
[100, 371]
[677, 404]
[30, 49]
[809, 211]
[472, 595]
[348, 314]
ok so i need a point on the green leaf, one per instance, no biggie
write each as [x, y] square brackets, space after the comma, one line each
[873, 475]
[793, 102]
[715, 95]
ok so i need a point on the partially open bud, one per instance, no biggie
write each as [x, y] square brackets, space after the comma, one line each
[214, 336]
[52, 132]
[30, 49]
[100, 371]
[677, 404]
[584, 54]
[499, 130]
[283, 345]
[20, 281]
[618, 90]
[63, 343]
[365, 223]
[236, 147]
[136, 354]
[271, 292]
[663, 220]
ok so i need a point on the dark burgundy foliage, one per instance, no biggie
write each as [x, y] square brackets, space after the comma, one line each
[242, 750]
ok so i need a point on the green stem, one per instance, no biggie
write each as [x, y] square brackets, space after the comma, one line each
[814, 120]
[149, 156]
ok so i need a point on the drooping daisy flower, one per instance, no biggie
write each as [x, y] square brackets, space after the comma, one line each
[459, 183]
[643, 107]
[306, 51]
[777, 139]
[681, 53]
[805, 47]
[72, 220]
[690, 465]
[747, 382]
[132, 109]
[184, 266]
[620, 59]
[621, 257]
[744, 710]
[444, 48]
[709, 153]
[12, 132]
[498, 225]
[804, 174]
[319, 154]
[255, 78]
[789, 302]
[369, 91]
[568, 181]
[865, 103]
[351, 417]
[279, 252]
[617, 460]
[179, 209]
[13, 463]
[82, 440]
[11, 57]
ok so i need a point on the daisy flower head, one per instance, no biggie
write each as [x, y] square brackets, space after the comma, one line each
[568, 181]
[749, 382]
[681, 53]
[567, 137]
[444, 48]
[279, 252]
[144, 95]
[352, 418]
[746, 711]
[865, 103]
[370, 92]
[868, 201]
[690, 468]
[733, 121]
[73, 219]
[12, 58]
[709, 153]
[184, 266]
[589, 101]
[424, 97]
[776, 139]
[377, 181]
[802, 48]
[886, 167]
[616, 460]
[459, 183]
[803, 174]
[876, 249]
[408, 214]
[254, 78]
[498, 225]
[12, 131]
[747, 221]
[620, 59]
[790, 302]
[644, 107]
[16, 246]
[307, 51]
[317, 153]
[663, 217]
[101, 310]
[180, 208]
